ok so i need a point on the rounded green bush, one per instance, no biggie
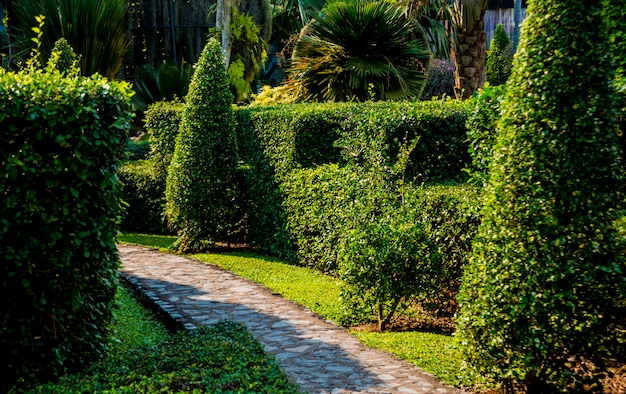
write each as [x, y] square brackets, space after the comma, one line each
[541, 301]
[201, 187]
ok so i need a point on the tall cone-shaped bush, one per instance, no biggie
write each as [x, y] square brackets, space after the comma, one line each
[200, 187]
[541, 303]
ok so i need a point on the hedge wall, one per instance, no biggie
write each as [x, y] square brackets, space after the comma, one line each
[62, 141]
[273, 141]
[143, 191]
[324, 205]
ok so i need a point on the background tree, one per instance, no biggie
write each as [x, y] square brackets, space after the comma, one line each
[357, 49]
[200, 186]
[500, 57]
[540, 303]
[95, 29]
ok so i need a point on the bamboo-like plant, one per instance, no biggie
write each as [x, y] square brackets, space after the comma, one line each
[95, 29]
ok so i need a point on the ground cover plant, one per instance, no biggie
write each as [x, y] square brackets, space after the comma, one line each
[435, 352]
[145, 357]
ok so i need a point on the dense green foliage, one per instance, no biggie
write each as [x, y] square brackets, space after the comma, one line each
[482, 131]
[144, 357]
[319, 204]
[162, 123]
[500, 58]
[201, 191]
[63, 57]
[386, 258]
[541, 303]
[144, 177]
[613, 12]
[95, 29]
[143, 190]
[275, 141]
[248, 54]
[353, 223]
[62, 141]
[359, 50]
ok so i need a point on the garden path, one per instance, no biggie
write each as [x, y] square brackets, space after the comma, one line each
[319, 355]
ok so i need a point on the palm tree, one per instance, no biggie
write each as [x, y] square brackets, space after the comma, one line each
[360, 50]
[470, 46]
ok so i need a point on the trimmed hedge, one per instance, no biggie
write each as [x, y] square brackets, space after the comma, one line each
[143, 190]
[542, 303]
[62, 141]
[482, 121]
[331, 208]
[319, 205]
[162, 123]
[274, 141]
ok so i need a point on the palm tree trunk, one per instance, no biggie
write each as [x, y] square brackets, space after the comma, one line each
[222, 22]
[470, 59]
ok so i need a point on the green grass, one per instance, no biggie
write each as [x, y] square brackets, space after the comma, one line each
[435, 353]
[299, 284]
[146, 358]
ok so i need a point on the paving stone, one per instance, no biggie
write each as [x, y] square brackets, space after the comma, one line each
[317, 354]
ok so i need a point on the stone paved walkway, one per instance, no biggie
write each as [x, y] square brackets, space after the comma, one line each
[319, 355]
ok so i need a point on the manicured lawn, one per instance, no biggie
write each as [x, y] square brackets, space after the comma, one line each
[437, 354]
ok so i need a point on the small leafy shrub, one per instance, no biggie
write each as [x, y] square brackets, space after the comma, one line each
[63, 57]
[500, 58]
[269, 96]
[542, 302]
[482, 121]
[384, 257]
[143, 191]
[440, 81]
[63, 138]
[201, 189]
[162, 123]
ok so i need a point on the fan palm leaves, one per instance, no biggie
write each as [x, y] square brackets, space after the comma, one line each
[360, 50]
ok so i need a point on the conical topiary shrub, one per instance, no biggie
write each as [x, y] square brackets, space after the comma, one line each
[201, 190]
[540, 303]
[500, 57]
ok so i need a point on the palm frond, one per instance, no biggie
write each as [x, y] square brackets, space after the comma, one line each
[354, 47]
